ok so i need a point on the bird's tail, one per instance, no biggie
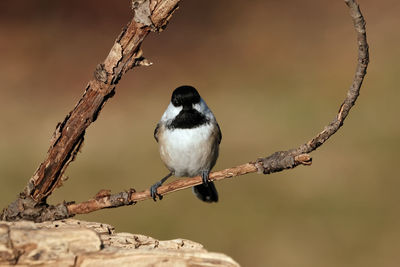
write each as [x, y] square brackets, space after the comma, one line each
[206, 193]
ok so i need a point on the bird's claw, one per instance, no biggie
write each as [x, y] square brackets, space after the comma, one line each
[153, 191]
[204, 176]
[154, 187]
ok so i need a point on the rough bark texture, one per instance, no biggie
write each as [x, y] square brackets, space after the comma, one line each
[149, 15]
[124, 55]
[79, 243]
[152, 15]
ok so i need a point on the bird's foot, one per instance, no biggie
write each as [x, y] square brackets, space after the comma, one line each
[204, 176]
[153, 191]
[154, 187]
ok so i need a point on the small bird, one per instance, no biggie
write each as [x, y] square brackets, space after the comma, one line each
[188, 136]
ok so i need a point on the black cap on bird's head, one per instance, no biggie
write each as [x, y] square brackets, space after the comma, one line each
[185, 96]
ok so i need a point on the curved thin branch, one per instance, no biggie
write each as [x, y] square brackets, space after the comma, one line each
[276, 162]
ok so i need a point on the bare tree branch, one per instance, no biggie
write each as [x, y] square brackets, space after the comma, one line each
[40, 186]
[105, 200]
[276, 162]
[69, 134]
[149, 15]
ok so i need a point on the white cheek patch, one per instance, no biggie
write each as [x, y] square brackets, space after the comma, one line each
[201, 106]
[170, 113]
[203, 109]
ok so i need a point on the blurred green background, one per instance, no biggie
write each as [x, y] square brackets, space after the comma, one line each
[273, 72]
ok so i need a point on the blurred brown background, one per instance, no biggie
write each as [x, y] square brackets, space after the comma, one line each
[273, 72]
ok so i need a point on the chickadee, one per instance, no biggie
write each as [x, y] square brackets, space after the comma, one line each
[188, 136]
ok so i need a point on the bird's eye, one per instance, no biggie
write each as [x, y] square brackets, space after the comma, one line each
[176, 102]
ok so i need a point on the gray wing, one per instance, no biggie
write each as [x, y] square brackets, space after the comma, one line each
[219, 134]
[156, 131]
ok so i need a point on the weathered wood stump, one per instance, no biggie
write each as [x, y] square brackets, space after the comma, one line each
[79, 243]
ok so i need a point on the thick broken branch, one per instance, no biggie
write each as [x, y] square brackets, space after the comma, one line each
[103, 86]
[149, 15]
[124, 55]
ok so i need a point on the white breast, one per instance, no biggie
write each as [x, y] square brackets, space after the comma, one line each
[187, 152]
